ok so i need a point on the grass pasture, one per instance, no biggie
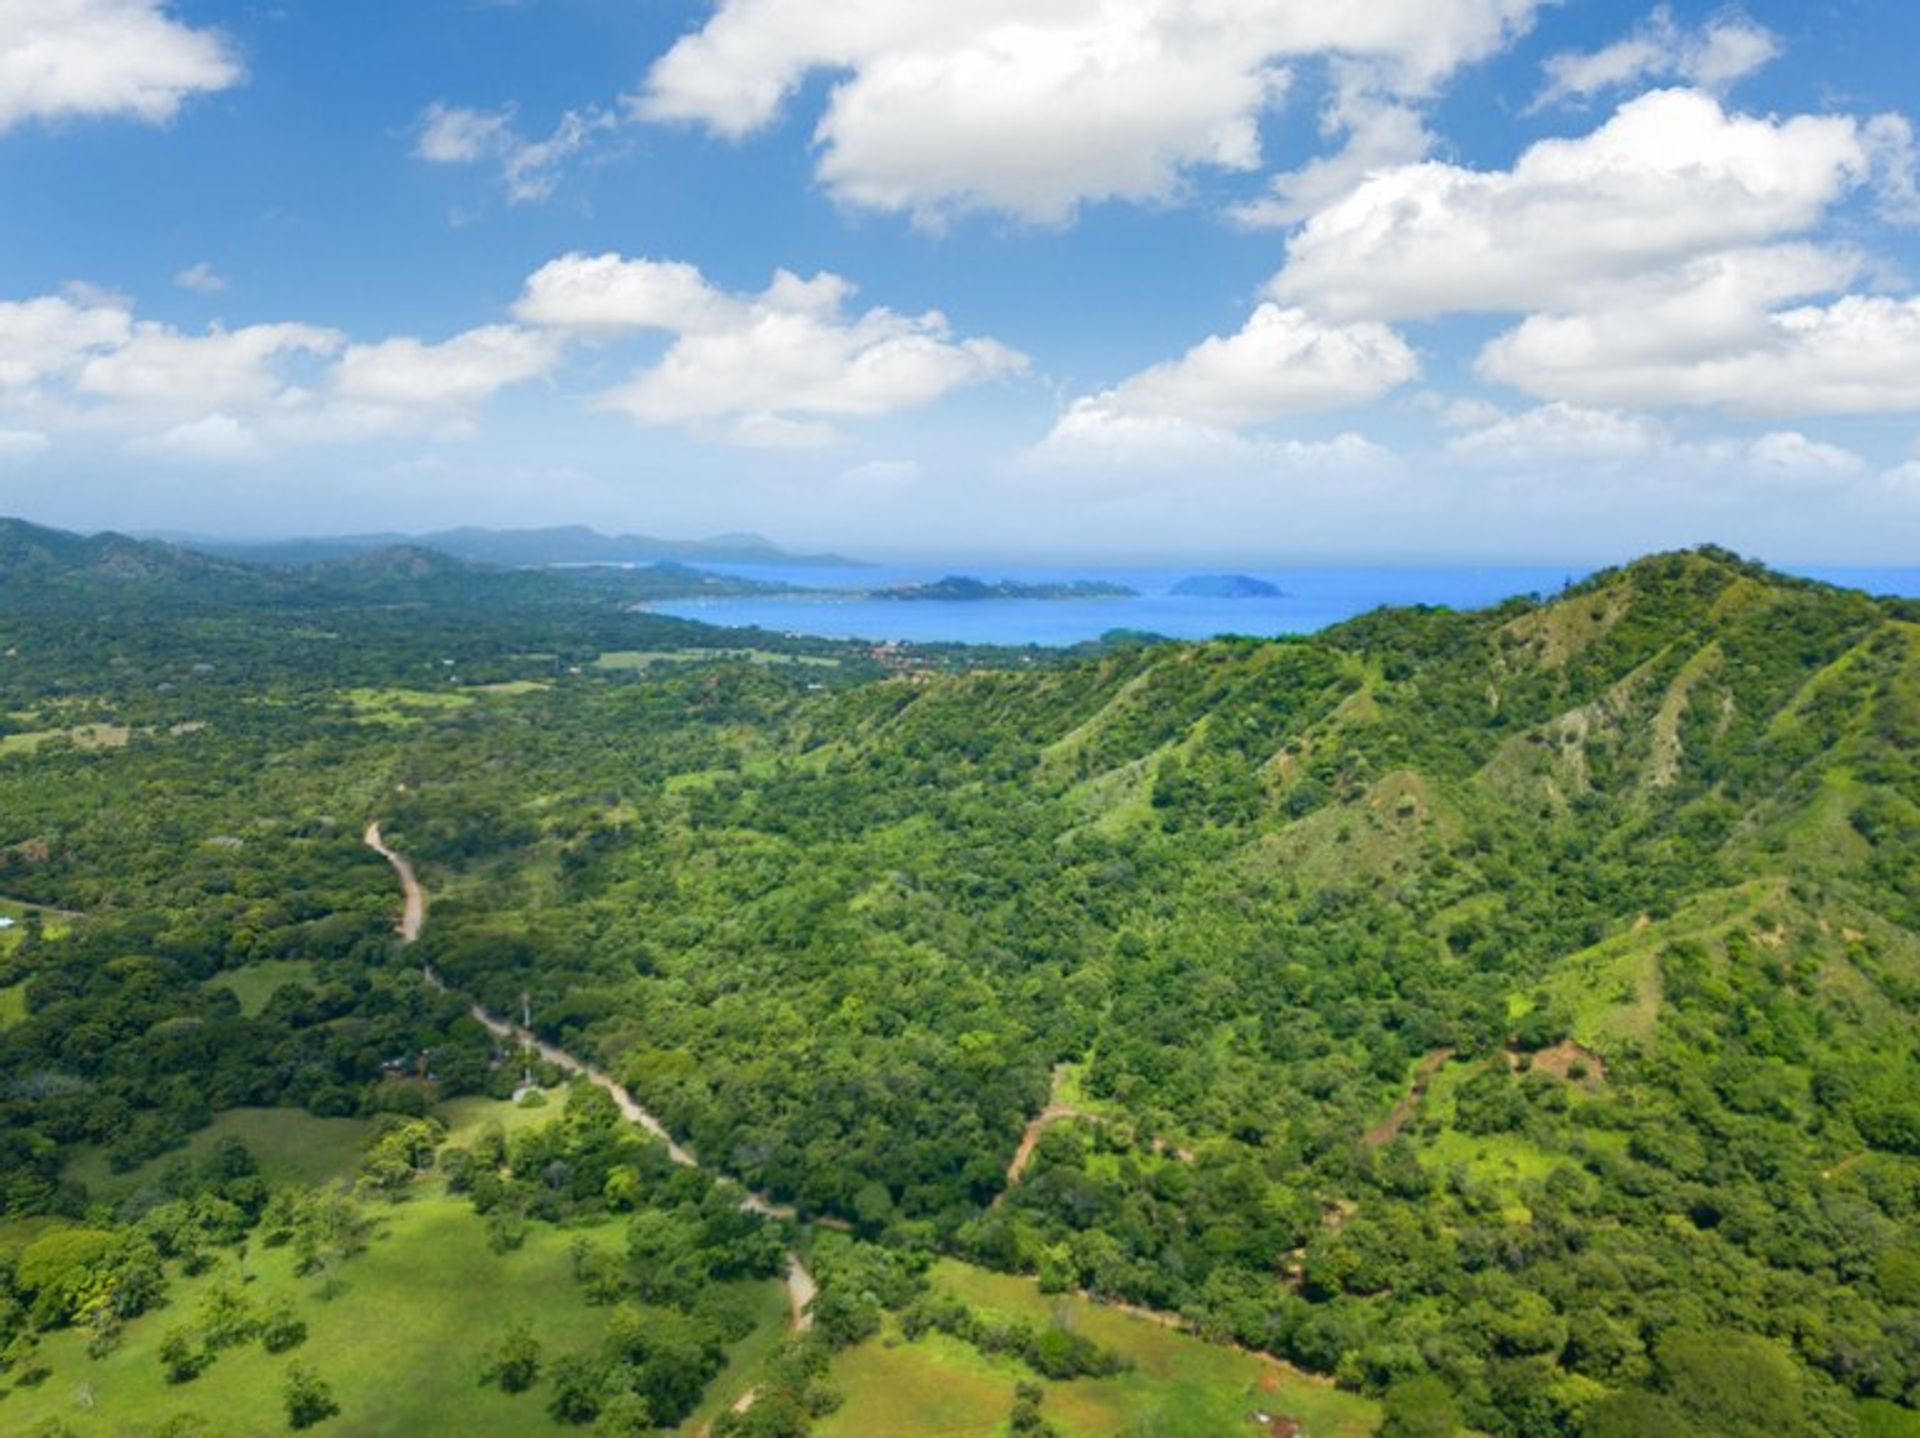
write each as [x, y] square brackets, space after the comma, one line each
[1500, 1161]
[1181, 1387]
[767, 1302]
[401, 707]
[401, 1344]
[290, 1145]
[85, 736]
[466, 1117]
[1881, 1419]
[256, 983]
[629, 659]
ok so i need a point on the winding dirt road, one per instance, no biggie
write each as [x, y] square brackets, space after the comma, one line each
[801, 1288]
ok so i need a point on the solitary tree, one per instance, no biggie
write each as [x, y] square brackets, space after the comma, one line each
[182, 1355]
[515, 1360]
[309, 1398]
[282, 1327]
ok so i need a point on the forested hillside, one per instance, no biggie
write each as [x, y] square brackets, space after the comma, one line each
[1509, 1016]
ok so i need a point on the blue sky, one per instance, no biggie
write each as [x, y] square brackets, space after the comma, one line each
[1436, 279]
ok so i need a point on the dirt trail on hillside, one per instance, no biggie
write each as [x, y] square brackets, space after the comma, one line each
[1391, 1125]
[1054, 1112]
[1030, 1140]
[801, 1288]
[1059, 1112]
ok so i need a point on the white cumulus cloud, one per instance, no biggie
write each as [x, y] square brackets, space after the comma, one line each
[82, 361]
[793, 353]
[1034, 109]
[44, 337]
[611, 294]
[164, 369]
[69, 59]
[455, 374]
[1671, 257]
[1281, 362]
[1380, 134]
[1670, 177]
[1858, 355]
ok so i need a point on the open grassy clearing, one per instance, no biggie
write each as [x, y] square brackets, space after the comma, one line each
[767, 1302]
[615, 659]
[293, 1146]
[84, 736]
[1881, 1419]
[401, 1343]
[290, 1145]
[400, 707]
[13, 1005]
[256, 983]
[1503, 1162]
[1181, 1387]
[466, 1117]
[935, 1388]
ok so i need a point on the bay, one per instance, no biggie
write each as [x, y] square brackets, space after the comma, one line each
[1314, 597]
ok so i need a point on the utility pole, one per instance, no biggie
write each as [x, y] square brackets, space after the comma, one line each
[526, 1042]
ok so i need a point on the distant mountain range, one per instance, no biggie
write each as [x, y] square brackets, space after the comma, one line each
[31, 551]
[38, 564]
[513, 548]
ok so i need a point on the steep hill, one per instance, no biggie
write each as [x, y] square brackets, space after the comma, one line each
[1527, 988]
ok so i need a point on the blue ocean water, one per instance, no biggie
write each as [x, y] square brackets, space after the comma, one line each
[1314, 597]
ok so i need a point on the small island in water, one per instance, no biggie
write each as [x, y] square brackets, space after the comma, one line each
[1227, 586]
[963, 587]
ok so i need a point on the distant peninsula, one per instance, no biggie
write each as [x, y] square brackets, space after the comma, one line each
[966, 589]
[1227, 586]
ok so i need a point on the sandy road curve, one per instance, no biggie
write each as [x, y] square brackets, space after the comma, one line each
[801, 1287]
